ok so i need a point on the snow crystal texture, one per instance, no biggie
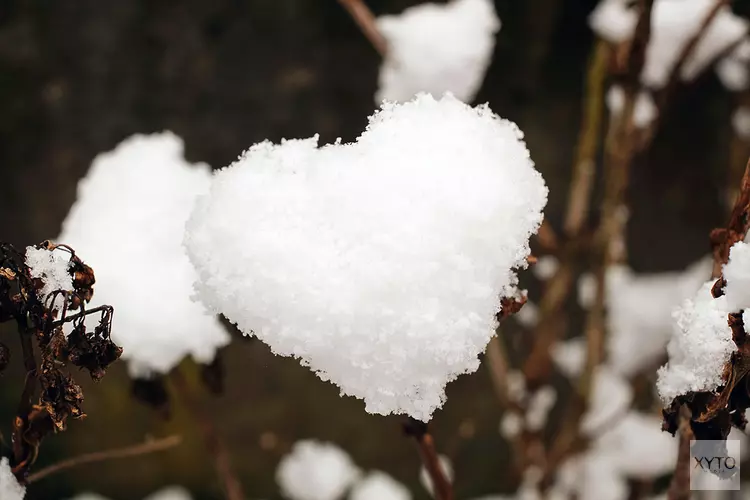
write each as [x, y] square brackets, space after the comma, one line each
[737, 274]
[437, 48]
[9, 487]
[379, 486]
[128, 225]
[315, 470]
[379, 264]
[700, 346]
[52, 267]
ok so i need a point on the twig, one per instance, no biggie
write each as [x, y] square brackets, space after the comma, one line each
[443, 490]
[365, 19]
[214, 444]
[679, 488]
[497, 364]
[150, 446]
[20, 452]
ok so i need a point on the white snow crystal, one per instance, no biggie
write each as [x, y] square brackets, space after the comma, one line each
[737, 274]
[570, 356]
[639, 312]
[379, 486]
[511, 424]
[611, 396]
[644, 108]
[9, 487]
[545, 267]
[379, 264]
[700, 346]
[673, 24]
[170, 493]
[613, 20]
[741, 122]
[51, 266]
[128, 225]
[426, 480]
[540, 404]
[315, 470]
[437, 48]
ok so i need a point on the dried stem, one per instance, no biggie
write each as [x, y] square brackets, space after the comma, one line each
[214, 444]
[679, 488]
[365, 19]
[443, 489]
[150, 446]
[20, 452]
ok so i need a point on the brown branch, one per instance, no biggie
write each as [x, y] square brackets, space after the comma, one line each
[679, 488]
[365, 19]
[150, 446]
[442, 487]
[214, 444]
[20, 449]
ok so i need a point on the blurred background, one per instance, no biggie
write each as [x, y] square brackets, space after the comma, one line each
[78, 76]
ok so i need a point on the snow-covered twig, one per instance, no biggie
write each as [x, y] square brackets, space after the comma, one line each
[149, 446]
[364, 18]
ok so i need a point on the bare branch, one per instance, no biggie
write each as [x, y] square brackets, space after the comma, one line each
[365, 19]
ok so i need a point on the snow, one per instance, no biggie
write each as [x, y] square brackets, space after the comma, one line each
[737, 274]
[639, 313]
[379, 486]
[611, 396]
[528, 316]
[52, 267]
[511, 424]
[741, 122]
[437, 48]
[315, 470]
[569, 356]
[733, 74]
[540, 404]
[586, 290]
[128, 223]
[380, 263]
[701, 344]
[9, 487]
[168, 493]
[644, 108]
[673, 24]
[426, 480]
[545, 267]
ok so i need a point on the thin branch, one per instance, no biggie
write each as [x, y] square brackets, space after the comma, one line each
[679, 488]
[365, 19]
[150, 446]
[443, 489]
[214, 444]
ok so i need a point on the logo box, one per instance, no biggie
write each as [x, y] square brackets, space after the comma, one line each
[715, 465]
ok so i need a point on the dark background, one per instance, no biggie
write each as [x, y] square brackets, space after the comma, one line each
[78, 76]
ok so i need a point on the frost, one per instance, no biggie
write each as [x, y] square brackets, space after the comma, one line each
[741, 122]
[379, 264]
[128, 221]
[315, 470]
[437, 48]
[9, 487]
[379, 486]
[426, 480]
[701, 344]
[639, 313]
[673, 24]
[51, 266]
[736, 272]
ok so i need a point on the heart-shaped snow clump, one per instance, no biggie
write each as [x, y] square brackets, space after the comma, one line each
[379, 264]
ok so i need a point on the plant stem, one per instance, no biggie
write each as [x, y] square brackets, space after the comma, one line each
[213, 442]
[150, 446]
[442, 487]
[365, 19]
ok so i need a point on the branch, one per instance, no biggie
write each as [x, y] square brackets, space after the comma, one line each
[150, 446]
[214, 444]
[443, 490]
[679, 488]
[365, 19]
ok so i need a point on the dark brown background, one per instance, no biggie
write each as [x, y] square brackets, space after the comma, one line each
[78, 76]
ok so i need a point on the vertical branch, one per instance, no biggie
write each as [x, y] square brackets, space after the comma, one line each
[214, 444]
[442, 487]
[679, 488]
[365, 19]
[20, 451]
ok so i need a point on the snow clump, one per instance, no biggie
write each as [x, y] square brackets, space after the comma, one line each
[315, 470]
[379, 263]
[10, 489]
